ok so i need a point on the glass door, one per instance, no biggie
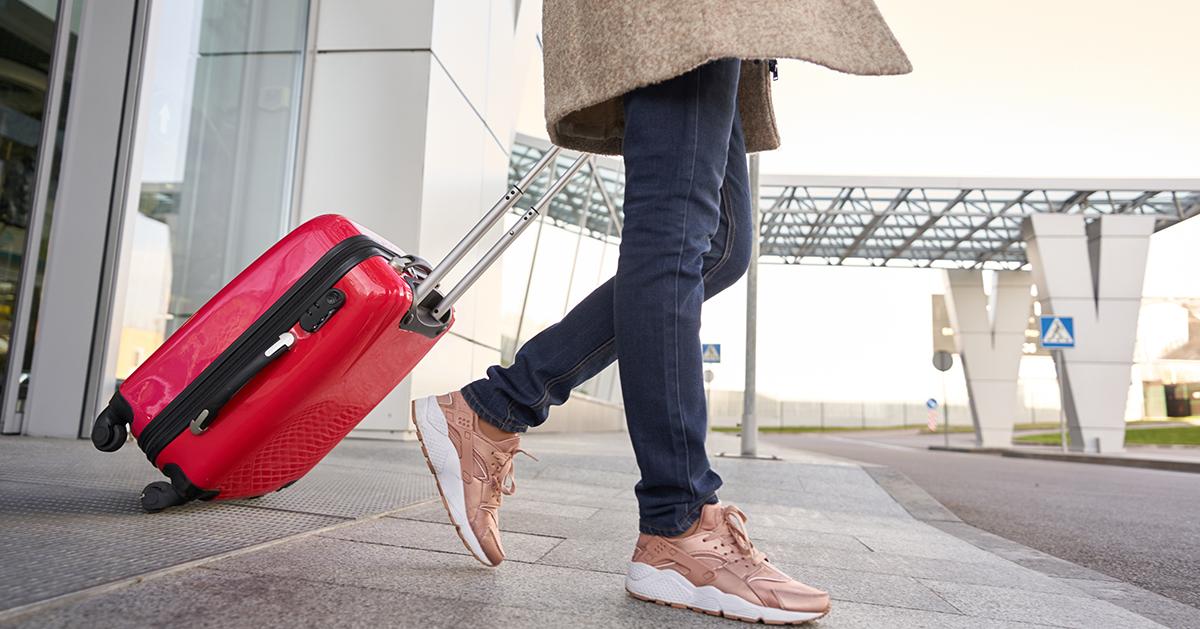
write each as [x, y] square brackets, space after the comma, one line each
[213, 164]
[33, 92]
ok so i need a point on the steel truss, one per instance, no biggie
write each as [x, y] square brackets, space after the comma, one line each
[882, 221]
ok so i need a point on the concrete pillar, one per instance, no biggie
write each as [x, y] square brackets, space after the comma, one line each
[412, 114]
[989, 337]
[1095, 275]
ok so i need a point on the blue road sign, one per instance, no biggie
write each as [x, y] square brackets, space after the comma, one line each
[1058, 332]
[711, 352]
[931, 404]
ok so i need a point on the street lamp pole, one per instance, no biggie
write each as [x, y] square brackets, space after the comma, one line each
[749, 412]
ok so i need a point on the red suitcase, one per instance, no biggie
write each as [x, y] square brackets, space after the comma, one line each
[269, 375]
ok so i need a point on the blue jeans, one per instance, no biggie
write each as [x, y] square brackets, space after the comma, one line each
[686, 238]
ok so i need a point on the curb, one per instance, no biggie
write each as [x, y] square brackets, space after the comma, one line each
[1169, 465]
[1102, 459]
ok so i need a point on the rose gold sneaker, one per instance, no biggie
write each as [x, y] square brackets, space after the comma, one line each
[718, 571]
[472, 472]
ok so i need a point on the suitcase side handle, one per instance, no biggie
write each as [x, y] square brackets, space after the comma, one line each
[442, 308]
[212, 409]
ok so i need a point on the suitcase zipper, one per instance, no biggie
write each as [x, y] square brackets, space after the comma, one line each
[265, 331]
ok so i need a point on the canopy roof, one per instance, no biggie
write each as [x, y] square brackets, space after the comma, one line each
[883, 221]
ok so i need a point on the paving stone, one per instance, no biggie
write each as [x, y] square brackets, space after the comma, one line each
[590, 554]
[538, 507]
[1165, 611]
[419, 573]
[998, 572]
[829, 503]
[217, 598]
[930, 547]
[769, 537]
[603, 524]
[624, 480]
[439, 537]
[847, 615]
[997, 603]
[616, 501]
[867, 587]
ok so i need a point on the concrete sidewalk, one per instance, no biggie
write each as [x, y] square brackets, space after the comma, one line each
[569, 533]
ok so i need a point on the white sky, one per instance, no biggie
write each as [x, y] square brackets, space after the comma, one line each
[1022, 88]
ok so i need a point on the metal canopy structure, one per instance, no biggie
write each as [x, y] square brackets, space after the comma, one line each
[883, 221]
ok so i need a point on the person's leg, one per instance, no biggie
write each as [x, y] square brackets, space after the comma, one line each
[459, 430]
[550, 365]
[676, 149]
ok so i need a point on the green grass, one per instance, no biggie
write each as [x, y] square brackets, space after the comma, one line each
[953, 429]
[1173, 436]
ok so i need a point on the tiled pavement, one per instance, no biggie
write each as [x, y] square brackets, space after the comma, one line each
[569, 531]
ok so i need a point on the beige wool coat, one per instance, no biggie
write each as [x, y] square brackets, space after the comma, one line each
[597, 50]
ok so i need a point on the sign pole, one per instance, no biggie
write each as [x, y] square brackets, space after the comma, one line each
[945, 413]
[1058, 334]
[1062, 400]
[943, 361]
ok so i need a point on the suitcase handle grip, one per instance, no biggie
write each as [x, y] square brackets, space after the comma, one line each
[204, 420]
[442, 308]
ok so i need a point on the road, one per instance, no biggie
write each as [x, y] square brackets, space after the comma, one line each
[1139, 526]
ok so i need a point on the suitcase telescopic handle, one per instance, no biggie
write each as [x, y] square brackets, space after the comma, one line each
[506, 239]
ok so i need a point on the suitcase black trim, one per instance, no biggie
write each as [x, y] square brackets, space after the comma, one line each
[420, 319]
[279, 318]
[111, 428]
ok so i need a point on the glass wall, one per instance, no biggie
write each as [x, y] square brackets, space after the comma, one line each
[215, 158]
[27, 47]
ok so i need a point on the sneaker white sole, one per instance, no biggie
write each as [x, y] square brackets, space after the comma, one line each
[668, 587]
[442, 458]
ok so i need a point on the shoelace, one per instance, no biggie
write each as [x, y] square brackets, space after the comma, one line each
[504, 480]
[736, 521]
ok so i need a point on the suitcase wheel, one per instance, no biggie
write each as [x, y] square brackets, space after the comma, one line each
[160, 495]
[108, 435]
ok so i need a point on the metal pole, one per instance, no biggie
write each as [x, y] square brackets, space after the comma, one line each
[1062, 401]
[945, 413]
[708, 402]
[749, 418]
[583, 216]
[506, 239]
[477, 232]
[537, 243]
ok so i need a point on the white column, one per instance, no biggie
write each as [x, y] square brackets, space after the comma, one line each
[412, 116]
[1094, 275]
[989, 336]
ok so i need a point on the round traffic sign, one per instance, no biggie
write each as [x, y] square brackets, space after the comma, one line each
[942, 360]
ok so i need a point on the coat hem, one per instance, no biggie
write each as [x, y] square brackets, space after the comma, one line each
[613, 145]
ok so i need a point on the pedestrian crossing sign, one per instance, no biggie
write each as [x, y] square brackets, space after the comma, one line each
[711, 352]
[1058, 332]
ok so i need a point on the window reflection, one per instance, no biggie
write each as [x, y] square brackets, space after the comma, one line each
[216, 135]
